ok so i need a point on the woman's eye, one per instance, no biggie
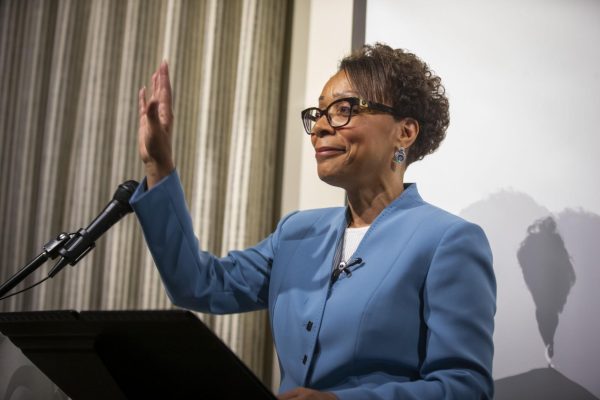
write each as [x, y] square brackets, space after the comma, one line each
[344, 110]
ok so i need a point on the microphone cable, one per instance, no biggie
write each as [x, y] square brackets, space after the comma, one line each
[26, 289]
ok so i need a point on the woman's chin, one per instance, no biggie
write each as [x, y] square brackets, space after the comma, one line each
[332, 178]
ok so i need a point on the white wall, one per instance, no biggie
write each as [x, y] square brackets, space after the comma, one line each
[322, 36]
[523, 79]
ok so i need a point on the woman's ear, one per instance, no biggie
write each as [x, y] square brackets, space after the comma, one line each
[409, 130]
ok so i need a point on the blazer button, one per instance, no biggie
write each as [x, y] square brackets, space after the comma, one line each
[304, 359]
[309, 326]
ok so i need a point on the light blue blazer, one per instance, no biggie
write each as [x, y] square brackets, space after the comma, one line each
[412, 320]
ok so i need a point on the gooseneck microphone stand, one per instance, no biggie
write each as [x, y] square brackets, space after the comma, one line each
[72, 247]
[50, 251]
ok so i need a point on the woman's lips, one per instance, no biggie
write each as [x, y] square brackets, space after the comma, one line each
[326, 152]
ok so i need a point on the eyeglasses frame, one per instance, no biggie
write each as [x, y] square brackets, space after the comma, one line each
[364, 106]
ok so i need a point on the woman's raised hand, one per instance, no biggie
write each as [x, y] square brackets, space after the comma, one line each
[156, 127]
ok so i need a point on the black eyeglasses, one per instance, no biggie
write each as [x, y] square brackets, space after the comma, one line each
[339, 112]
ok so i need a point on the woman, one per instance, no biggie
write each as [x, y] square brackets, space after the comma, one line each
[389, 298]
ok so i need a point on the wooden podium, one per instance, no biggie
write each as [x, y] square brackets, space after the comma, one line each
[131, 355]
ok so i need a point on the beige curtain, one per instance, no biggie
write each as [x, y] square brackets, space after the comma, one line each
[69, 75]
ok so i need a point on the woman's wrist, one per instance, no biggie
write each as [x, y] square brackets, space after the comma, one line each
[156, 172]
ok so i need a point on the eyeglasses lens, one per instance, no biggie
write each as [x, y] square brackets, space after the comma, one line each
[338, 115]
[309, 118]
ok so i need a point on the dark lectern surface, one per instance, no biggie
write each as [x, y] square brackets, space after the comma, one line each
[131, 354]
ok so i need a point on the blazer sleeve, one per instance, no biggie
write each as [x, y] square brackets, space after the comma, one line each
[196, 279]
[459, 303]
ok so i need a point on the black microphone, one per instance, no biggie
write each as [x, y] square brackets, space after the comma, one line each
[82, 241]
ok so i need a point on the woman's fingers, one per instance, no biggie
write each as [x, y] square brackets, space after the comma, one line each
[302, 393]
[287, 395]
[165, 105]
[154, 85]
[158, 109]
[156, 121]
[142, 101]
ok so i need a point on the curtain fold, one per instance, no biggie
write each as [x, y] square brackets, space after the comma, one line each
[70, 71]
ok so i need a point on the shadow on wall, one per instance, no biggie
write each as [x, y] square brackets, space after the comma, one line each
[549, 275]
[543, 383]
[537, 255]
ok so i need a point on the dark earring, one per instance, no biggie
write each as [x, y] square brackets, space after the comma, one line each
[399, 155]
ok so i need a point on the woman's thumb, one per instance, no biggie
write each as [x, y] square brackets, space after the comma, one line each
[152, 114]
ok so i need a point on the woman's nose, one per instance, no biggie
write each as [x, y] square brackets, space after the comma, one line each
[322, 127]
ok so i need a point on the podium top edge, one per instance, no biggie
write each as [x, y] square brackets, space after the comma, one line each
[30, 316]
[98, 316]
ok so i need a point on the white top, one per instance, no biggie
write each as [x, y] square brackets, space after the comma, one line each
[352, 238]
